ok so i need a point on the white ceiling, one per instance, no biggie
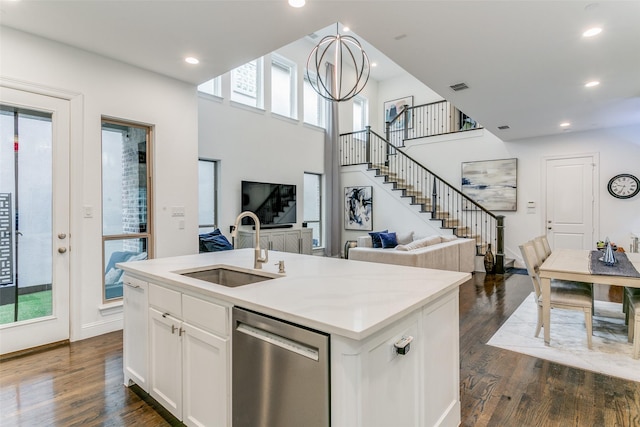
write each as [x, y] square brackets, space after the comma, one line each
[525, 62]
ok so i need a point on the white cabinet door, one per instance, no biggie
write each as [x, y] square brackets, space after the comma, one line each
[206, 378]
[165, 361]
[135, 340]
[392, 380]
[306, 235]
[277, 242]
[292, 242]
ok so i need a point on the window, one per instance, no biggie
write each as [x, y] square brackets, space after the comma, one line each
[313, 206]
[283, 86]
[212, 87]
[126, 226]
[246, 84]
[360, 113]
[314, 104]
[207, 196]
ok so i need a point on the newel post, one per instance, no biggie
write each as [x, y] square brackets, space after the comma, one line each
[367, 143]
[499, 244]
[434, 199]
[405, 113]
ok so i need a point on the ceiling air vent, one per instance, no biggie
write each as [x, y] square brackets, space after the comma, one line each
[312, 36]
[459, 86]
[504, 127]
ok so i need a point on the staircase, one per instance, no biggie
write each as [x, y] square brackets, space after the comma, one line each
[438, 200]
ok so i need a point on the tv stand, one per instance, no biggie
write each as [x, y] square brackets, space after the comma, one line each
[270, 226]
[297, 240]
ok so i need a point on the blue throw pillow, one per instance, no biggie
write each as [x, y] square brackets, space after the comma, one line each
[375, 238]
[216, 243]
[389, 240]
[205, 236]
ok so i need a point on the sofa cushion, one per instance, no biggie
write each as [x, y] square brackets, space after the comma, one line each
[448, 238]
[404, 238]
[389, 240]
[375, 238]
[420, 243]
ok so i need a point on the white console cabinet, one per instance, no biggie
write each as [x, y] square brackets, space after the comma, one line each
[296, 241]
[189, 357]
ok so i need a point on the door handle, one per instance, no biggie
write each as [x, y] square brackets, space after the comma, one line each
[62, 249]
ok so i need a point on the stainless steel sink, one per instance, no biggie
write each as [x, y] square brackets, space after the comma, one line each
[227, 276]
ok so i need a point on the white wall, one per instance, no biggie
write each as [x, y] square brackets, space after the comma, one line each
[99, 87]
[618, 151]
[389, 210]
[255, 145]
[251, 145]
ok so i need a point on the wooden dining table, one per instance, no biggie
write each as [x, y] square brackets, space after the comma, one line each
[574, 265]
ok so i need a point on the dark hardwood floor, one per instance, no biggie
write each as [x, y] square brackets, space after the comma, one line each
[81, 384]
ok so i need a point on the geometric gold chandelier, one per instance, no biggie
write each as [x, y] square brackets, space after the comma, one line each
[351, 67]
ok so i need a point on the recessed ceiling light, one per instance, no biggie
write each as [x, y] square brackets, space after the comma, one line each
[297, 3]
[191, 60]
[374, 64]
[592, 32]
[565, 124]
[346, 29]
[592, 83]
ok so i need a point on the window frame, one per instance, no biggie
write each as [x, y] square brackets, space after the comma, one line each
[148, 233]
[320, 220]
[258, 82]
[216, 166]
[364, 113]
[216, 83]
[280, 61]
[320, 101]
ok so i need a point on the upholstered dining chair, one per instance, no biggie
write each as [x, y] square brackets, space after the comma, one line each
[545, 244]
[541, 251]
[632, 300]
[565, 295]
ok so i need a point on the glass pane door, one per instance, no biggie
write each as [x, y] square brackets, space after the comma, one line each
[34, 219]
[25, 214]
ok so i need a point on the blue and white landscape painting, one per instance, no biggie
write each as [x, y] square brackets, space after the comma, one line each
[491, 183]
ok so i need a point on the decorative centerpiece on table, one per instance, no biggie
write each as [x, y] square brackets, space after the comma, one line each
[608, 258]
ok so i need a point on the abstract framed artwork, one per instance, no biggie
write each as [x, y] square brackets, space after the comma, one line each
[358, 206]
[393, 108]
[492, 183]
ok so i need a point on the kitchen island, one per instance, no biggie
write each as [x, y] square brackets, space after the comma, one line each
[173, 321]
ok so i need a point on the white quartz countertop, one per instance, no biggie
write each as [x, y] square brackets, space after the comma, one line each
[353, 299]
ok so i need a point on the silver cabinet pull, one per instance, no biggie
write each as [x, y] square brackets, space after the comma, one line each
[62, 236]
[62, 249]
[131, 285]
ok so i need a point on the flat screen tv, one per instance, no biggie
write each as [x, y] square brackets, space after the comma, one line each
[273, 204]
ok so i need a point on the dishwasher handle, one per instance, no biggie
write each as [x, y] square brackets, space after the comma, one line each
[279, 341]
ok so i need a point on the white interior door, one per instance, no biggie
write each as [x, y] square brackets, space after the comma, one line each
[34, 219]
[570, 202]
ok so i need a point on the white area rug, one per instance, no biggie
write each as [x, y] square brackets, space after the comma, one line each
[610, 353]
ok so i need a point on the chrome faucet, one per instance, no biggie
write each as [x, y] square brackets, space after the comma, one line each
[258, 260]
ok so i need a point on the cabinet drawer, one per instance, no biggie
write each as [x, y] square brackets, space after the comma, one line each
[206, 315]
[132, 282]
[165, 300]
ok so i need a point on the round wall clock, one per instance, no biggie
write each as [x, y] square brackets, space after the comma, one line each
[624, 186]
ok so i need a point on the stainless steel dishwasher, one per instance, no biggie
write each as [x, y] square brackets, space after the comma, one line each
[280, 374]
